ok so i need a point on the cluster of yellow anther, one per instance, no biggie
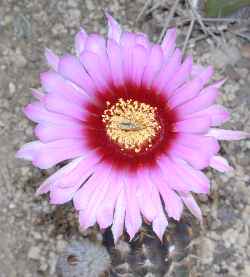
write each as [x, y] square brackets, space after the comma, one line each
[131, 124]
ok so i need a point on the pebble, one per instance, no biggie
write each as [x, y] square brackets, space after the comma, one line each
[34, 253]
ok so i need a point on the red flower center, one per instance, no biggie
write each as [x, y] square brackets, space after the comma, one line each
[130, 126]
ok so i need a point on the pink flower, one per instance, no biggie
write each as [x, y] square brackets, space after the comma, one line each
[138, 124]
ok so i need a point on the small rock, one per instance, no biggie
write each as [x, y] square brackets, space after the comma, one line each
[12, 88]
[34, 253]
[245, 50]
[226, 56]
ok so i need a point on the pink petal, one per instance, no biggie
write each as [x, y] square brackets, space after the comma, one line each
[54, 83]
[218, 114]
[37, 113]
[52, 59]
[196, 180]
[133, 219]
[28, 151]
[192, 156]
[167, 71]
[106, 210]
[220, 164]
[115, 61]
[206, 75]
[80, 41]
[144, 196]
[168, 43]
[142, 39]
[181, 75]
[198, 125]
[185, 93]
[119, 216]
[71, 68]
[154, 63]
[182, 178]
[219, 84]
[160, 222]
[222, 134]
[39, 95]
[192, 205]
[139, 56]
[102, 178]
[85, 168]
[46, 185]
[49, 154]
[127, 43]
[96, 44]
[169, 175]
[173, 203]
[98, 73]
[114, 29]
[57, 104]
[205, 99]
[49, 132]
[204, 144]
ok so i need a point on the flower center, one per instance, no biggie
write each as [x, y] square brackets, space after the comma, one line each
[131, 124]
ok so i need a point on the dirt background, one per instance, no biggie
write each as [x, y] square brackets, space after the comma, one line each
[33, 233]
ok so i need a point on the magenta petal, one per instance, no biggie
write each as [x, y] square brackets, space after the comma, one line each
[115, 61]
[28, 151]
[196, 180]
[173, 203]
[139, 56]
[192, 156]
[198, 125]
[101, 180]
[220, 164]
[80, 41]
[160, 222]
[37, 113]
[218, 114]
[71, 68]
[52, 59]
[154, 63]
[55, 103]
[192, 205]
[114, 29]
[202, 101]
[144, 196]
[93, 66]
[222, 134]
[169, 175]
[55, 83]
[185, 93]
[46, 185]
[205, 144]
[168, 43]
[49, 132]
[39, 95]
[127, 43]
[167, 71]
[106, 210]
[133, 219]
[142, 39]
[96, 44]
[50, 154]
[119, 216]
[181, 75]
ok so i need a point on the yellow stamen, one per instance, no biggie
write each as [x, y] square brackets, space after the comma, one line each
[131, 124]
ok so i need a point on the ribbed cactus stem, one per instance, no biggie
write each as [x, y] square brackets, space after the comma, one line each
[220, 8]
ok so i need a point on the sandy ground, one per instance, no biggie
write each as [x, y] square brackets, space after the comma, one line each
[33, 233]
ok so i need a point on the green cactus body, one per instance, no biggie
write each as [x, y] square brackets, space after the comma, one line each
[220, 8]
